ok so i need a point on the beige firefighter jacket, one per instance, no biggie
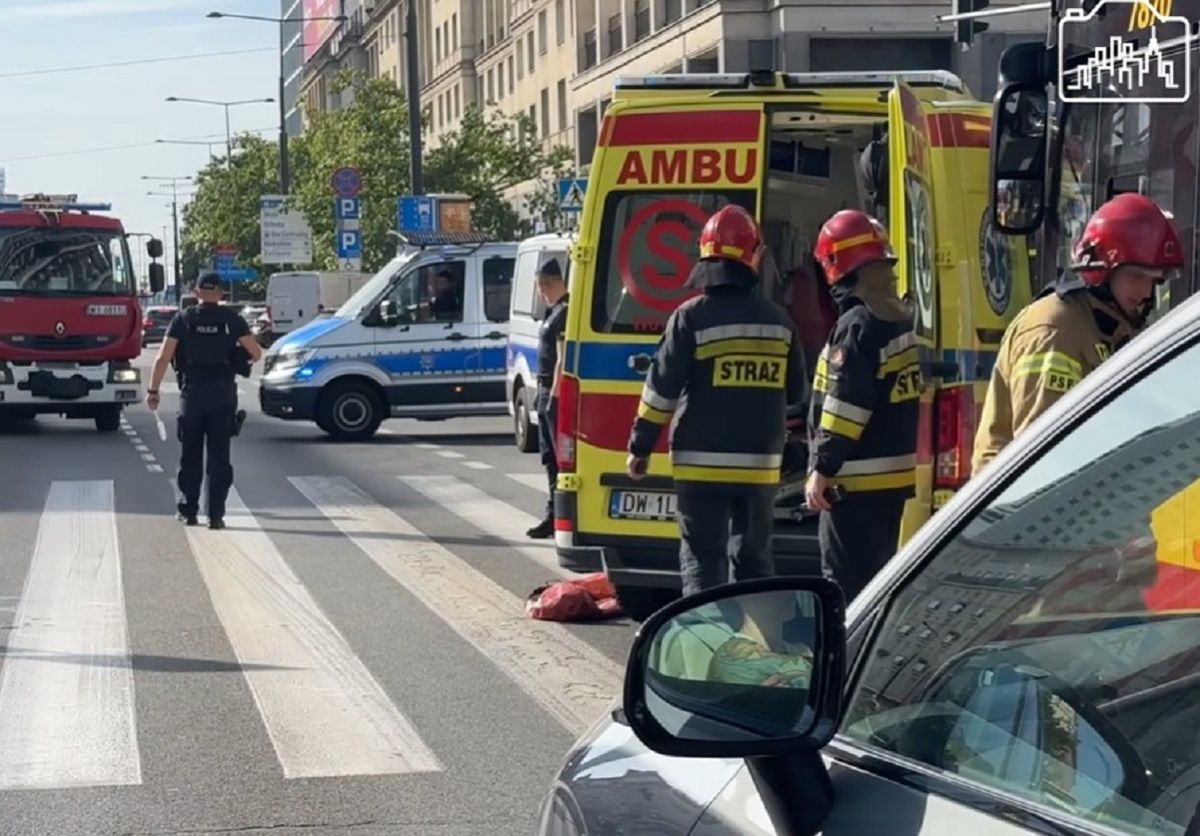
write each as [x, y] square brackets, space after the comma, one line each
[1048, 348]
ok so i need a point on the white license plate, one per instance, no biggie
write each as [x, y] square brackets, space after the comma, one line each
[641, 505]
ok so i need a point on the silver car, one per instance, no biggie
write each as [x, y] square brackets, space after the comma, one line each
[1028, 663]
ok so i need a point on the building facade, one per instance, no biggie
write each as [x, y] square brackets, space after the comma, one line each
[330, 48]
[292, 62]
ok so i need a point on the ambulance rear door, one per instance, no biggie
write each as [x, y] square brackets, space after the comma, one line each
[911, 217]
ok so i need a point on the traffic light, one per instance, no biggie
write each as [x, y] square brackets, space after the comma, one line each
[966, 30]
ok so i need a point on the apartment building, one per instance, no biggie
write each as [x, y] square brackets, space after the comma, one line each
[329, 48]
[383, 41]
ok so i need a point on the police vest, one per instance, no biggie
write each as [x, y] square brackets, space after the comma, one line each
[209, 344]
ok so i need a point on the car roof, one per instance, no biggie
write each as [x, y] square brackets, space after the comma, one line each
[1176, 330]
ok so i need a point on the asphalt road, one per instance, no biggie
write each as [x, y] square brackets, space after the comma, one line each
[350, 655]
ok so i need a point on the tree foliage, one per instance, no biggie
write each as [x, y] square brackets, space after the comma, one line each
[485, 157]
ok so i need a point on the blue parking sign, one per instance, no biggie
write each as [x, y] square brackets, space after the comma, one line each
[349, 243]
[416, 213]
[347, 208]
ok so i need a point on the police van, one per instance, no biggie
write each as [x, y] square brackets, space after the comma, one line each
[424, 338]
[524, 323]
[910, 148]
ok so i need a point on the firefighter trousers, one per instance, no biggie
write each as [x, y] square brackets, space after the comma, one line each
[718, 530]
[858, 537]
[206, 418]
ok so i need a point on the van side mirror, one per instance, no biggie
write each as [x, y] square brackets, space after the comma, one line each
[388, 315]
[748, 670]
[158, 277]
[1020, 121]
[154, 248]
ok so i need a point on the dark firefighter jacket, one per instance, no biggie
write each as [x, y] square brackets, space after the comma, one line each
[1056, 341]
[727, 367]
[866, 395]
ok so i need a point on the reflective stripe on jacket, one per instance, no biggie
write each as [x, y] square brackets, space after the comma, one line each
[1048, 348]
[866, 395]
[726, 369]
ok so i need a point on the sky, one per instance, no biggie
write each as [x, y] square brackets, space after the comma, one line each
[48, 118]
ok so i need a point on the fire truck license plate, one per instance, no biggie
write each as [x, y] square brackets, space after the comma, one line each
[641, 505]
[46, 385]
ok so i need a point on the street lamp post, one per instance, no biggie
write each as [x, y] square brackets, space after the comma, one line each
[226, 105]
[174, 181]
[284, 174]
[210, 145]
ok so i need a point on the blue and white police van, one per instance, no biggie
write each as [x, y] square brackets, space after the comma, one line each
[524, 322]
[424, 338]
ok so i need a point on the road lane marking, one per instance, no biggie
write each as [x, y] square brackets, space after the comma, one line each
[425, 445]
[141, 448]
[450, 454]
[325, 713]
[569, 678]
[478, 465]
[489, 515]
[537, 481]
[66, 688]
[154, 468]
[148, 457]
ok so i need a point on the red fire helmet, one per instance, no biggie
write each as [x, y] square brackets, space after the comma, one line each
[731, 233]
[849, 240]
[1129, 229]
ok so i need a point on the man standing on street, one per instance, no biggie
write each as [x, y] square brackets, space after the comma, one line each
[1128, 246]
[863, 416]
[550, 352]
[205, 341]
[728, 366]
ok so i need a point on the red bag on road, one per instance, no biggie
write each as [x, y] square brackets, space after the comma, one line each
[586, 598]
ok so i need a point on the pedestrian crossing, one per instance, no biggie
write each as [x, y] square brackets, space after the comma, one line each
[68, 702]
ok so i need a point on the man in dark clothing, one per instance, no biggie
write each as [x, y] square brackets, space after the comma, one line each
[205, 342]
[728, 365]
[444, 304]
[863, 418]
[550, 338]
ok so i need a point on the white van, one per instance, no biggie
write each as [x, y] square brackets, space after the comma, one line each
[294, 299]
[524, 321]
[424, 338]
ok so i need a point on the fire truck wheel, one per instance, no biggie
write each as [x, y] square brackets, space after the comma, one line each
[108, 420]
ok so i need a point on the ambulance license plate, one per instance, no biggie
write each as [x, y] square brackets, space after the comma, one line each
[641, 505]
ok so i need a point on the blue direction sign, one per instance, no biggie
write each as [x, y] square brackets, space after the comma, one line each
[347, 208]
[349, 243]
[347, 182]
[416, 214]
[570, 193]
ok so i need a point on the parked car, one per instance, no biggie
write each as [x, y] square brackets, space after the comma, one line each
[1026, 664]
[155, 322]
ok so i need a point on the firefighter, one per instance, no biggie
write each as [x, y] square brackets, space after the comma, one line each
[863, 416]
[728, 365]
[1127, 247]
[207, 342]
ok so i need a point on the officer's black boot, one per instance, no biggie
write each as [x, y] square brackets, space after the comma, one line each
[239, 418]
[186, 517]
[543, 530]
[216, 523]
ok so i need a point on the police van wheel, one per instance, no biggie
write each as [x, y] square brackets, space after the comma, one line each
[109, 419]
[527, 440]
[350, 411]
[641, 602]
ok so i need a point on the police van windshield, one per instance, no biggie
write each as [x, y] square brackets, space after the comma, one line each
[648, 244]
[61, 261]
[369, 292]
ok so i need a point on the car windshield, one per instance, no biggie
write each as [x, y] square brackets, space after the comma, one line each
[36, 260]
[1051, 649]
[374, 288]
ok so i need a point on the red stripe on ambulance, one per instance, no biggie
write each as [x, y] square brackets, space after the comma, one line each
[959, 130]
[691, 127]
[605, 421]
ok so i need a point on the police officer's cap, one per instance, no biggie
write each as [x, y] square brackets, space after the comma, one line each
[550, 269]
[208, 280]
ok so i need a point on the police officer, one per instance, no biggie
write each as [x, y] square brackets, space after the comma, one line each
[1128, 246]
[550, 339]
[205, 342]
[863, 416]
[727, 367]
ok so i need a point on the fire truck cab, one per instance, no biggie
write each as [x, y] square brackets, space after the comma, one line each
[70, 321]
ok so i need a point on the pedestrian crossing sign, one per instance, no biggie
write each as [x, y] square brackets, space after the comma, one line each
[570, 194]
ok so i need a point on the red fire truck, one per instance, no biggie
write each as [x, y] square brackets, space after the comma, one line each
[70, 322]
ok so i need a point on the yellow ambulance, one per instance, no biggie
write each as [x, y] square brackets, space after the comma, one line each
[911, 148]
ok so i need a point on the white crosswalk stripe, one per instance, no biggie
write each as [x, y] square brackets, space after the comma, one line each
[270, 618]
[566, 676]
[537, 481]
[58, 726]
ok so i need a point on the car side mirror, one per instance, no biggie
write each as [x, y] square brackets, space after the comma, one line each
[752, 670]
[388, 315]
[158, 277]
[1018, 183]
[154, 248]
